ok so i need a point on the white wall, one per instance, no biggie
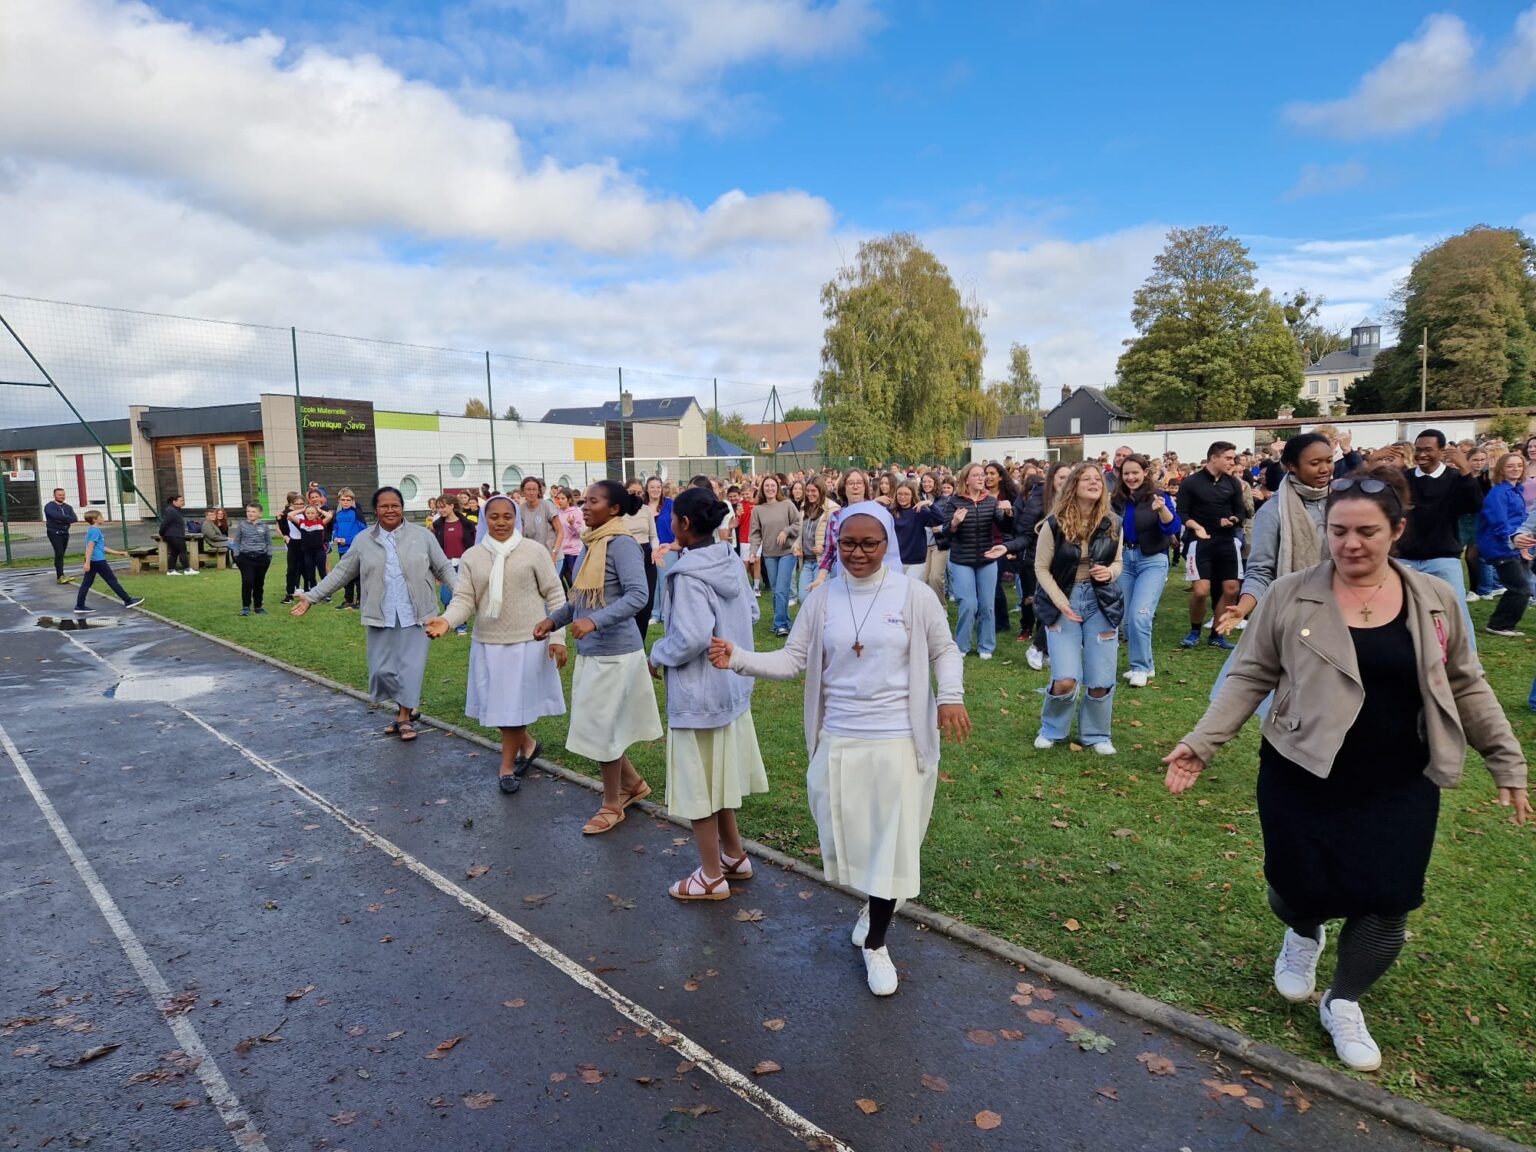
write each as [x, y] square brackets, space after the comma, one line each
[1190, 444]
[56, 469]
[1020, 448]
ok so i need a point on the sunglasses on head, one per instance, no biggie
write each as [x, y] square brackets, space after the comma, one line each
[1367, 484]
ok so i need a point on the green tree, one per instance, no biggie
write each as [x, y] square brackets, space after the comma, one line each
[1476, 295]
[901, 357]
[802, 412]
[1212, 346]
[512, 414]
[732, 428]
[1303, 316]
[475, 409]
[1306, 408]
[1017, 395]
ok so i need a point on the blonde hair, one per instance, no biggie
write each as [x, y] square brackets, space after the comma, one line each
[1075, 525]
[1498, 469]
[91, 516]
[964, 474]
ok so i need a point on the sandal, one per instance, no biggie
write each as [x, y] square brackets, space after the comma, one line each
[394, 727]
[602, 821]
[738, 869]
[699, 887]
[521, 765]
[406, 731]
[640, 793]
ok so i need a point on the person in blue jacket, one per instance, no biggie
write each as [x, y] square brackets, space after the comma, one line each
[347, 526]
[58, 516]
[1499, 523]
[96, 565]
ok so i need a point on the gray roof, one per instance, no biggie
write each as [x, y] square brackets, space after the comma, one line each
[43, 437]
[215, 420]
[645, 411]
[1097, 394]
[1344, 361]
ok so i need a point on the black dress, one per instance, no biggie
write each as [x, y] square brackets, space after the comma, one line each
[1359, 840]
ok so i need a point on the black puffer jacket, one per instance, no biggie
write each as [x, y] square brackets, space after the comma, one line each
[1026, 519]
[969, 543]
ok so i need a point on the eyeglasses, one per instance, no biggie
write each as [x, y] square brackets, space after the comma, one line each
[867, 547]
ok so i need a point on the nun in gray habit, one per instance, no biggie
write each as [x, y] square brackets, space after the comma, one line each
[399, 565]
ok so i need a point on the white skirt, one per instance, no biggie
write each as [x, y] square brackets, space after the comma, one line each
[512, 685]
[871, 806]
[613, 705]
[712, 769]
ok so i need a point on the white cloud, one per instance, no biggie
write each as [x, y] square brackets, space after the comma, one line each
[325, 143]
[1426, 80]
[1320, 179]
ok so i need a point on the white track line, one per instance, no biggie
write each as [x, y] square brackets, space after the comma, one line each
[736, 1082]
[236, 1120]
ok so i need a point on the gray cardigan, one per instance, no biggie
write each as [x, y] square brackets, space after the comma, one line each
[625, 592]
[421, 560]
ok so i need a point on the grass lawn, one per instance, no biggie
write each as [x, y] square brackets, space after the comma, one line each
[1167, 891]
[72, 562]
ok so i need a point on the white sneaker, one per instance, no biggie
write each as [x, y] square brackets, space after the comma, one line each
[985, 655]
[1510, 632]
[1042, 743]
[1137, 679]
[1473, 597]
[793, 601]
[1296, 966]
[880, 971]
[861, 928]
[1495, 594]
[1104, 748]
[1035, 658]
[190, 572]
[1343, 1020]
[173, 573]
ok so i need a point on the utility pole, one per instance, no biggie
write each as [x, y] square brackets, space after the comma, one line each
[1424, 372]
[622, 468]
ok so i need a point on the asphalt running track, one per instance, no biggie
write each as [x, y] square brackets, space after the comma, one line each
[226, 871]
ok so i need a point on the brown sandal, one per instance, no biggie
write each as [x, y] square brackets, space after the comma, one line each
[738, 869]
[603, 821]
[640, 793]
[697, 886]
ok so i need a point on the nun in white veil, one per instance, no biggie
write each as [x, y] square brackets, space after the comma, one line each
[871, 643]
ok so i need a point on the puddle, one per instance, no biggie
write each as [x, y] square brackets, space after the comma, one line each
[77, 623]
[162, 688]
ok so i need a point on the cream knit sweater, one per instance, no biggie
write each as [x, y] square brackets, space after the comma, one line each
[530, 591]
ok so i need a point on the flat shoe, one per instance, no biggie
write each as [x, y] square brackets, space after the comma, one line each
[508, 783]
[521, 765]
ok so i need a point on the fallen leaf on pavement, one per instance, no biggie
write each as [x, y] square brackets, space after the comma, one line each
[1109, 1093]
[181, 1105]
[981, 1036]
[1044, 994]
[691, 985]
[28, 1050]
[1253, 1102]
[987, 1121]
[537, 898]
[343, 1118]
[394, 1035]
[591, 1076]
[868, 1107]
[1293, 1094]
[1156, 1064]
[557, 1077]
[766, 1068]
[300, 993]
[774, 1025]
[1041, 1016]
[1219, 1088]
[1257, 1079]
[85, 1057]
[749, 915]
[620, 902]
[519, 1003]
[476, 870]
[1010, 1034]
[479, 1100]
[444, 1048]
[935, 1083]
[1090, 1041]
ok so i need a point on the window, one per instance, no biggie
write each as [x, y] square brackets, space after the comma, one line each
[1333, 387]
[456, 467]
[1312, 388]
[1077, 426]
[511, 478]
[565, 481]
[409, 488]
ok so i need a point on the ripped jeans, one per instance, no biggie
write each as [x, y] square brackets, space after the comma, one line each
[1087, 655]
[1141, 583]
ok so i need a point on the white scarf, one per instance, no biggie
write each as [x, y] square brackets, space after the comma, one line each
[499, 550]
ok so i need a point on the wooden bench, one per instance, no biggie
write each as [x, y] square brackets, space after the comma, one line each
[138, 557]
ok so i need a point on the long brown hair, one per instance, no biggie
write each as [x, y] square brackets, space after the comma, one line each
[1075, 524]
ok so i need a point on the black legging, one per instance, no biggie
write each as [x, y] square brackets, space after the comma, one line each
[1368, 946]
[60, 542]
[568, 570]
[176, 558]
[1027, 600]
[643, 617]
[295, 572]
[312, 563]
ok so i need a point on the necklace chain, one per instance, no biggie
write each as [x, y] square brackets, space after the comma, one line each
[858, 625]
[1364, 605]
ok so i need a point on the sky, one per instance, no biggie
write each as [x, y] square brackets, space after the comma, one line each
[667, 185]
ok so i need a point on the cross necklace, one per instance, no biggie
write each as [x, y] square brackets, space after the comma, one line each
[1365, 607]
[858, 625]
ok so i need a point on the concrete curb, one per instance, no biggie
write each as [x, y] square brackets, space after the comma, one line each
[1406, 1114]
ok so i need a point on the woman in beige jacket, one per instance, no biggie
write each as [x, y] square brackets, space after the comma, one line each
[1377, 695]
[508, 583]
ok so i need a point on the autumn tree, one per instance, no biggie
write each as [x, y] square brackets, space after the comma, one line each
[1476, 294]
[1303, 316]
[901, 357]
[1018, 394]
[475, 409]
[1212, 346]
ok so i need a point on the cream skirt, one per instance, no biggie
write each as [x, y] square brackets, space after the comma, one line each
[871, 806]
[613, 705]
[512, 685]
[711, 769]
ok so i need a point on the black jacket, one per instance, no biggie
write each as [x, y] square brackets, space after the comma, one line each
[172, 523]
[1102, 546]
[969, 544]
[1026, 521]
[1151, 540]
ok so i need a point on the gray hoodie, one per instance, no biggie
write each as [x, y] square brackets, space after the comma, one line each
[708, 596]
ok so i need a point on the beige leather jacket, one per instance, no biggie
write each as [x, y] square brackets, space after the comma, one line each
[1297, 645]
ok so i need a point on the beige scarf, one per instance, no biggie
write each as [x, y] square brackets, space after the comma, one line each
[587, 589]
[1301, 544]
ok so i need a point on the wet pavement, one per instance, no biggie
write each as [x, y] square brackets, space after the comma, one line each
[329, 909]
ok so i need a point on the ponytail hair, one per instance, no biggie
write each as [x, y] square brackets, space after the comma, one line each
[619, 496]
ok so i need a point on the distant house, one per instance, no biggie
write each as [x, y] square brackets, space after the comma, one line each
[770, 438]
[1329, 379]
[655, 429]
[1085, 411]
[807, 441]
[720, 446]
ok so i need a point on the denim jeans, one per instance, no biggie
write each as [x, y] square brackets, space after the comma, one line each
[1087, 654]
[100, 568]
[976, 589]
[1487, 578]
[1449, 569]
[808, 572]
[779, 571]
[658, 601]
[1141, 583]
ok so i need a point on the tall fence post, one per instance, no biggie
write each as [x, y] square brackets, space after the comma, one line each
[122, 506]
[623, 469]
[5, 518]
[298, 411]
[490, 409]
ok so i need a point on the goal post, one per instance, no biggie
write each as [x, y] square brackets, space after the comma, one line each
[681, 469]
